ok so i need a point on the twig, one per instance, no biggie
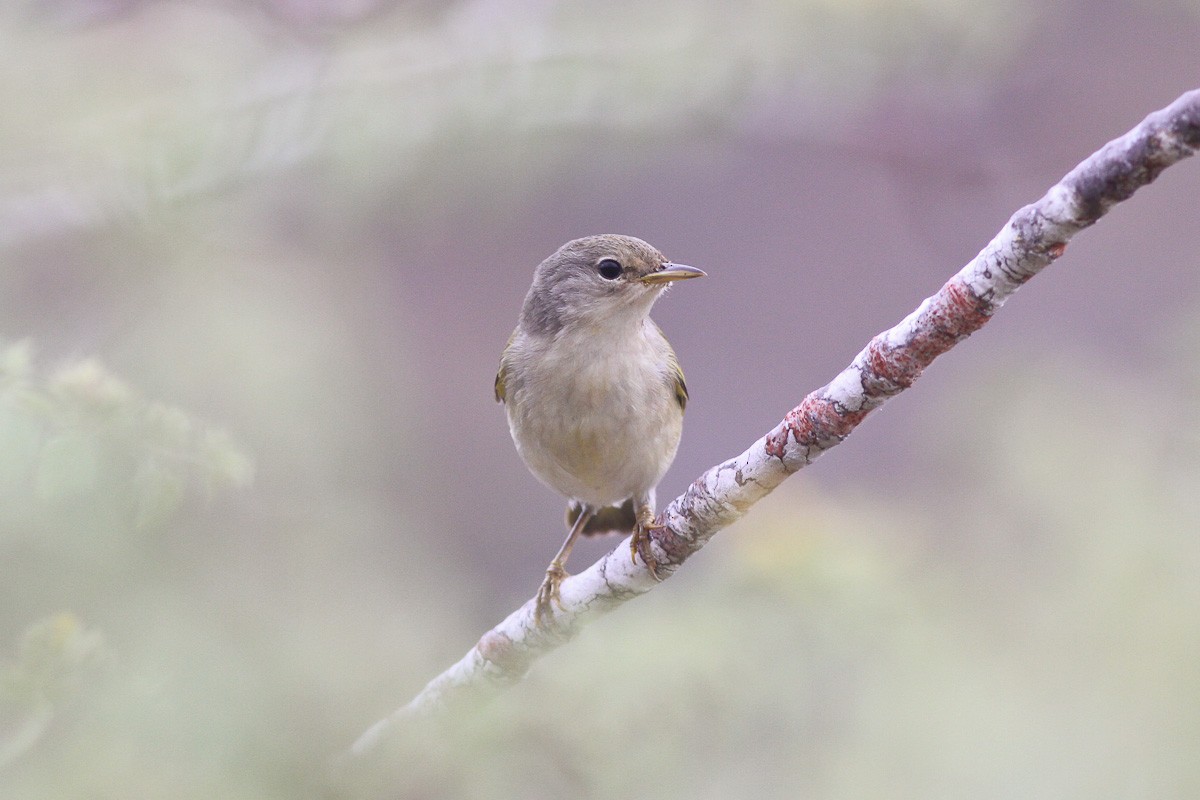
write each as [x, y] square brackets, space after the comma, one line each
[890, 363]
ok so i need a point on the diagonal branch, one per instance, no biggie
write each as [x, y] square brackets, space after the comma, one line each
[890, 363]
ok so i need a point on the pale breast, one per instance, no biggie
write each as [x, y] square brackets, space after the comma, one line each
[598, 429]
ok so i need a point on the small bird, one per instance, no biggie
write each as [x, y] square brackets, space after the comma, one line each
[593, 391]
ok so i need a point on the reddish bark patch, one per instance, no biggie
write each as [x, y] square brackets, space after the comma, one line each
[953, 314]
[675, 546]
[815, 421]
[777, 440]
[1056, 250]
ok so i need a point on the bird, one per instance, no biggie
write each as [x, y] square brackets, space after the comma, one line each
[593, 392]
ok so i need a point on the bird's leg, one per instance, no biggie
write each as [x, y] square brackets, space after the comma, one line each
[639, 543]
[555, 573]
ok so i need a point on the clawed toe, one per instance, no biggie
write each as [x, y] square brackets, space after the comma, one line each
[639, 545]
[548, 594]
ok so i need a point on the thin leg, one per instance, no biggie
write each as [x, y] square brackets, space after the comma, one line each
[639, 543]
[555, 573]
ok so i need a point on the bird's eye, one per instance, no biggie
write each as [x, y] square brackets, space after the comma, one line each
[609, 270]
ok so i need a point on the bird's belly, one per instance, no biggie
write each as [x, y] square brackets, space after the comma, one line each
[599, 441]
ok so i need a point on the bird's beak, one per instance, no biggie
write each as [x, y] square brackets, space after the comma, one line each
[672, 272]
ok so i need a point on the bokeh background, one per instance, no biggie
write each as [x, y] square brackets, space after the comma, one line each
[257, 263]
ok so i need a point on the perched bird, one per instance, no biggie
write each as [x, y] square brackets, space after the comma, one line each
[593, 391]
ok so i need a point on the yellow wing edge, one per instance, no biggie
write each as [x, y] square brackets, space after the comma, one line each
[499, 385]
[678, 383]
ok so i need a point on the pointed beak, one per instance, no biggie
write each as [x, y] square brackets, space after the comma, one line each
[672, 272]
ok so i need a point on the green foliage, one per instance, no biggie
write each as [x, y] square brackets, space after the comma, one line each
[87, 468]
[79, 438]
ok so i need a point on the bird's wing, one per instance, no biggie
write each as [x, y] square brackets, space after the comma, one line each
[675, 376]
[503, 367]
[681, 392]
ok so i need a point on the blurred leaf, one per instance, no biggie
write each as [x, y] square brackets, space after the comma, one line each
[24, 731]
[57, 656]
[54, 658]
[226, 464]
[68, 466]
[83, 434]
[16, 363]
[160, 492]
[20, 441]
[90, 387]
[169, 427]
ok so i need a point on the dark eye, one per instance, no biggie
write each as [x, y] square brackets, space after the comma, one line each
[609, 270]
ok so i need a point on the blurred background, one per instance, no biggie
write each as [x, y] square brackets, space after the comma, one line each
[257, 264]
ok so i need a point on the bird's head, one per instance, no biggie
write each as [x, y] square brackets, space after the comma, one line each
[598, 280]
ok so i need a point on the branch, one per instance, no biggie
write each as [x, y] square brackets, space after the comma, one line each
[890, 363]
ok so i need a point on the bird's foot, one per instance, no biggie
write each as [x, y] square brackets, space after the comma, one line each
[548, 593]
[640, 545]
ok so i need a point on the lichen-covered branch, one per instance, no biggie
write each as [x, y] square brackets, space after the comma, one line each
[890, 363]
